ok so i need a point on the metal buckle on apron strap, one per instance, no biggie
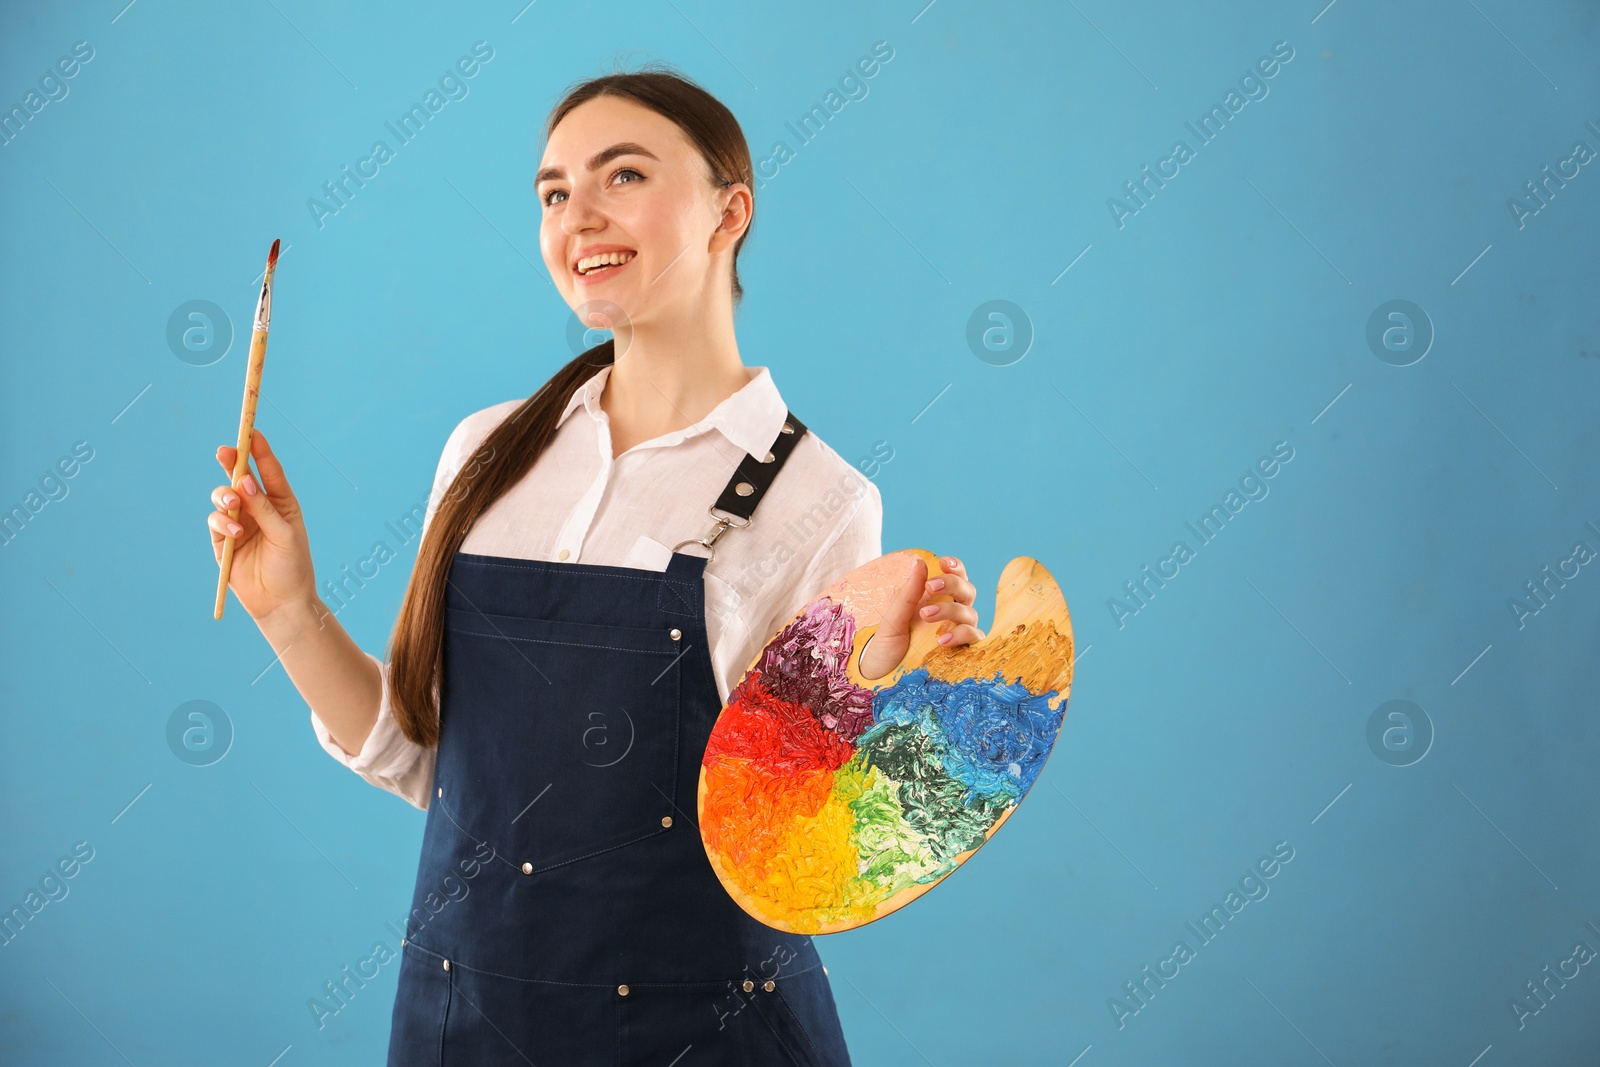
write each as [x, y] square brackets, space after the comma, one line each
[710, 540]
[748, 484]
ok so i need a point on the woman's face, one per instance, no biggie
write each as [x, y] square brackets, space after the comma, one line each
[620, 178]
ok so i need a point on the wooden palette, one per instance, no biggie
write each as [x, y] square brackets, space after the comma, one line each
[828, 800]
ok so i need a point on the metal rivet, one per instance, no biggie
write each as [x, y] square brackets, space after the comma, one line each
[622, 990]
[744, 489]
[402, 942]
[527, 868]
[769, 458]
[787, 428]
[769, 985]
[441, 790]
[824, 968]
[447, 965]
[676, 633]
[748, 985]
[666, 820]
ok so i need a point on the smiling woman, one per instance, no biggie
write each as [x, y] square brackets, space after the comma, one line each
[564, 646]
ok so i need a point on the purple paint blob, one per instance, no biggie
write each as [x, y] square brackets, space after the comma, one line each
[805, 665]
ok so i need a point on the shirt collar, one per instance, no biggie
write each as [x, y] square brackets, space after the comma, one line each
[750, 418]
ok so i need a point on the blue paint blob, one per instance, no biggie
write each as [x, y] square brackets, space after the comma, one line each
[995, 734]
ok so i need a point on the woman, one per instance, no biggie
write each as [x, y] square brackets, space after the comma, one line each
[559, 663]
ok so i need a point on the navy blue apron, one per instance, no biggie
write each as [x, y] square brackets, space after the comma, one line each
[565, 912]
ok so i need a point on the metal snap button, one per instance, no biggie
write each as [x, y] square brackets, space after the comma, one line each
[769, 458]
[748, 985]
[441, 790]
[787, 428]
[675, 633]
[447, 965]
[622, 990]
[744, 489]
[527, 868]
[666, 820]
[402, 942]
[769, 985]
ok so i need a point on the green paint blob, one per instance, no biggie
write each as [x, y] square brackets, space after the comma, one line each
[893, 855]
[933, 803]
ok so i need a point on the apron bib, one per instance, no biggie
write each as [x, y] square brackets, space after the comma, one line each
[565, 912]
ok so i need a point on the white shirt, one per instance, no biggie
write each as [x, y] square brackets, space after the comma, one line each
[820, 520]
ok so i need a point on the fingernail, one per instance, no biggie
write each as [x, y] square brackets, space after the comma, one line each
[951, 562]
[944, 639]
[248, 484]
[229, 500]
[235, 529]
[930, 610]
[936, 585]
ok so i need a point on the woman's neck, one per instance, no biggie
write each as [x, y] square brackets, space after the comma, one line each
[653, 390]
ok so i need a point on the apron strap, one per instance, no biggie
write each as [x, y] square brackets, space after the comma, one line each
[749, 483]
[753, 477]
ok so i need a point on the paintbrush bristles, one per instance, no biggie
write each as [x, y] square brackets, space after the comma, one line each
[272, 256]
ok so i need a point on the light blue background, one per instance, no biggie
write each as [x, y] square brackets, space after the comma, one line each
[1228, 314]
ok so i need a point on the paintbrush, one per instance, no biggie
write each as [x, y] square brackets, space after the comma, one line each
[247, 417]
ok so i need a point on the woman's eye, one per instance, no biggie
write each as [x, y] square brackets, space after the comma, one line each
[614, 177]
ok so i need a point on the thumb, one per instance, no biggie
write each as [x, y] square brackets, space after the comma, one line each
[903, 605]
[272, 525]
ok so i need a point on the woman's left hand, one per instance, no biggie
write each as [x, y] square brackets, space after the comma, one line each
[916, 599]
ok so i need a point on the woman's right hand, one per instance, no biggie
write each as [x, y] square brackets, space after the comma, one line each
[271, 553]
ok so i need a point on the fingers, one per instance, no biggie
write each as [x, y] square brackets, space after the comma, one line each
[956, 614]
[965, 634]
[954, 579]
[224, 498]
[273, 479]
[258, 506]
[272, 475]
[222, 526]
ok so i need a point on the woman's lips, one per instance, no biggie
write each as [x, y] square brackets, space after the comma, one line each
[603, 273]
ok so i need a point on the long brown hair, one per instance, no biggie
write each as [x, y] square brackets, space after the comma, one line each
[416, 648]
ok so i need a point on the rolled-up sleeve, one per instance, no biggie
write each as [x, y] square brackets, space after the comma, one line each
[388, 759]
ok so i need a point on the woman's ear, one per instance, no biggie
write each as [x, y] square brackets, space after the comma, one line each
[738, 207]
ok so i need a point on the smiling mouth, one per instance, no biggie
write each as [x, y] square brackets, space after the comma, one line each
[605, 270]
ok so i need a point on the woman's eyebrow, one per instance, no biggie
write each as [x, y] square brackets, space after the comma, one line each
[599, 159]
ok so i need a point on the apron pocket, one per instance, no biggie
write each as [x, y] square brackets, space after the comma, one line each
[713, 1025]
[421, 1006]
[566, 735]
[494, 1019]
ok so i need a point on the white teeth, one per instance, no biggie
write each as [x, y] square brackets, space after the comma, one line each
[605, 259]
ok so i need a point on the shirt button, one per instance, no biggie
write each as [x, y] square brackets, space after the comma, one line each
[769, 985]
[527, 868]
[622, 990]
[563, 554]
